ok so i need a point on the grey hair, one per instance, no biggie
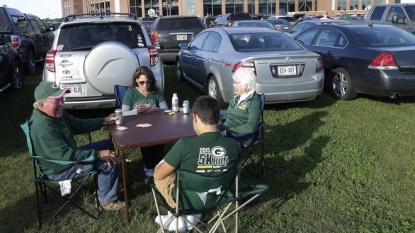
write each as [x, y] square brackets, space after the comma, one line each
[246, 76]
[36, 104]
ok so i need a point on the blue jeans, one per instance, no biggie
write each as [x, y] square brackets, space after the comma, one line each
[107, 175]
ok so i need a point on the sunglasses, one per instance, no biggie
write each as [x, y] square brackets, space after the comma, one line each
[142, 82]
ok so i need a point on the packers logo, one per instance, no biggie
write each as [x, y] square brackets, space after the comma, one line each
[218, 151]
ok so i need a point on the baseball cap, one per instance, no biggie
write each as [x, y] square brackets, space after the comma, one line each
[49, 90]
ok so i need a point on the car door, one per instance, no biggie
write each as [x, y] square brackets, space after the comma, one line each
[206, 58]
[189, 66]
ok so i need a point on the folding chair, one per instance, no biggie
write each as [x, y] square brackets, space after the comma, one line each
[197, 193]
[119, 92]
[47, 190]
[248, 150]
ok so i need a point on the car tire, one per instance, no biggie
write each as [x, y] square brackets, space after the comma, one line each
[30, 64]
[17, 79]
[179, 71]
[213, 91]
[341, 86]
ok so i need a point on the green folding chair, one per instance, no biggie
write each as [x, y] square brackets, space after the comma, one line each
[197, 193]
[47, 190]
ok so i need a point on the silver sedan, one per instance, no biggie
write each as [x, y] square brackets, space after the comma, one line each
[285, 71]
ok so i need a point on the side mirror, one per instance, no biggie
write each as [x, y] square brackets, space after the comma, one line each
[395, 19]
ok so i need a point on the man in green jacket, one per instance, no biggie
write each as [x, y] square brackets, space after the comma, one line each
[52, 131]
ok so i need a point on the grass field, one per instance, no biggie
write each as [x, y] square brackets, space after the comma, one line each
[332, 166]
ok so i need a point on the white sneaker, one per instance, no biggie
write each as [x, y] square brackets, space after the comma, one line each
[181, 226]
[164, 218]
[193, 219]
[148, 172]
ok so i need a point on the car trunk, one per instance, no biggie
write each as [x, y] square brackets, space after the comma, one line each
[404, 57]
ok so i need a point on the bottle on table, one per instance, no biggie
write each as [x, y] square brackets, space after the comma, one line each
[175, 103]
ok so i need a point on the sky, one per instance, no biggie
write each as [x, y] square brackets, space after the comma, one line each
[41, 8]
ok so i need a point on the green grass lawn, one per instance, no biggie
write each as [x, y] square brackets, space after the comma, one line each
[332, 166]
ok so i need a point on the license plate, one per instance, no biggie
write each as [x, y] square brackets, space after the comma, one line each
[76, 89]
[181, 37]
[286, 70]
[285, 27]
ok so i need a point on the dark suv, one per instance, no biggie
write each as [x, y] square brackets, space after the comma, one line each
[11, 69]
[168, 32]
[29, 35]
[225, 20]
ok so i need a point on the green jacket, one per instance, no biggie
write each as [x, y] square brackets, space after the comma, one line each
[244, 117]
[54, 138]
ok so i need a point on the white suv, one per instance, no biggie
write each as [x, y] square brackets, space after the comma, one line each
[92, 53]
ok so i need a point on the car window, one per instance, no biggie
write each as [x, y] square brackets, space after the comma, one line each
[327, 38]
[20, 24]
[252, 42]
[212, 42]
[377, 13]
[34, 24]
[383, 37]
[79, 37]
[41, 23]
[306, 37]
[240, 17]
[197, 43]
[298, 28]
[410, 11]
[395, 11]
[179, 23]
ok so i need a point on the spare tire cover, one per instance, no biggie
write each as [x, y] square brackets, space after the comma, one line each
[110, 63]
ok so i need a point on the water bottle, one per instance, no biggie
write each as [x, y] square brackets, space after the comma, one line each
[175, 103]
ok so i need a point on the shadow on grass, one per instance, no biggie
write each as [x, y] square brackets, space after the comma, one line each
[285, 175]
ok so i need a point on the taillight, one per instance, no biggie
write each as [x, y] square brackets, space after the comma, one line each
[154, 36]
[15, 41]
[245, 64]
[384, 61]
[319, 64]
[154, 55]
[277, 26]
[50, 60]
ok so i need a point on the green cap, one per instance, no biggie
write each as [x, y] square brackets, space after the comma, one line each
[49, 90]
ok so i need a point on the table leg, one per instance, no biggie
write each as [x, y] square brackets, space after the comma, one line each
[124, 180]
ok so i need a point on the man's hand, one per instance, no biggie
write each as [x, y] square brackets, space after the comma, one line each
[108, 156]
[110, 119]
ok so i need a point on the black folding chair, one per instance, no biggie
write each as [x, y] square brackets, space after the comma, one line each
[47, 190]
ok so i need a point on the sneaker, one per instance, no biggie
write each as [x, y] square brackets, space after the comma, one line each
[112, 205]
[148, 172]
[194, 219]
[164, 218]
[181, 227]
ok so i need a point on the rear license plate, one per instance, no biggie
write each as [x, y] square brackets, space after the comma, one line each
[76, 89]
[181, 37]
[286, 70]
[285, 27]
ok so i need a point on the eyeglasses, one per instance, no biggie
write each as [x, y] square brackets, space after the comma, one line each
[142, 82]
[57, 101]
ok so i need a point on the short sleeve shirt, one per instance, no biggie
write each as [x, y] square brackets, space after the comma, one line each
[209, 152]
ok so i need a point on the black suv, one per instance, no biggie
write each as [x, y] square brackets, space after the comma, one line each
[225, 20]
[167, 32]
[11, 69]
[29, 35]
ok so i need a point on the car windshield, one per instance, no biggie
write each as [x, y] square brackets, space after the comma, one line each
[385, 36]
[86, 36]
[252, 42]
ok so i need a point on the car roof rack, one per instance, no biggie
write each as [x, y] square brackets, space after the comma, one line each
[101, 15]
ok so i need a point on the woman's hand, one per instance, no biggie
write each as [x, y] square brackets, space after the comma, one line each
[142, 108]
[153, 109]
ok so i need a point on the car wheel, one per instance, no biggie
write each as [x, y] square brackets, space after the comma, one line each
[341, 86]
[179, 71]
[213, 91]
[17, 81]
[30, 64]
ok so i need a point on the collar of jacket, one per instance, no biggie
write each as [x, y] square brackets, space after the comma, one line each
[237, 97]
